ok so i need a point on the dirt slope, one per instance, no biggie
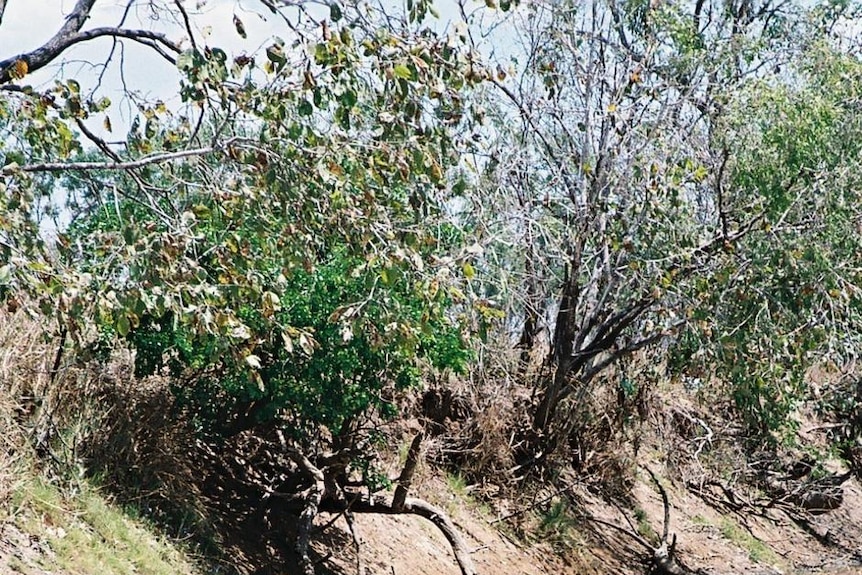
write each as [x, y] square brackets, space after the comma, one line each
[410, 545]
[711, 540]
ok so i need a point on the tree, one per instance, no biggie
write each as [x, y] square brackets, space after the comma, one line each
[269, 242]
[668, 158]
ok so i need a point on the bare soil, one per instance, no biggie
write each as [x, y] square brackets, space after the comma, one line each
[711, 540]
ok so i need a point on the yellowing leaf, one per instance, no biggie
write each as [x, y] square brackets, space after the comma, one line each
[306, 343]
[469, 272]
[402, 71]
[270, 303]
[259, 381]
[240, 332]
[612, 108]
[20, 69]
[288, 342]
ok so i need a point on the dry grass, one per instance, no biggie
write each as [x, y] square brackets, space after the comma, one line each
[53, 421]
[85, 534]
[24, 381]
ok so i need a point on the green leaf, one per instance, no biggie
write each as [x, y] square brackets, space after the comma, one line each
[275, 53]
[186, 60]
[304, 108]
[348, 98]
[123, 325]
[403, 72]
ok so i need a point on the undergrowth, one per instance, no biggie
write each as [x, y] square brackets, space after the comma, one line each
[86, 534]
[63, 523]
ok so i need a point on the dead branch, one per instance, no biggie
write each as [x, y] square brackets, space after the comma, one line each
[130, 165]
[407, 473]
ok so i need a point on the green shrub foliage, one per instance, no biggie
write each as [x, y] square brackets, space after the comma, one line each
[342, 355]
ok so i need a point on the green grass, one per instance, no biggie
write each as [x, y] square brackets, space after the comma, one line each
[645, 529]
[758, 551]
[457, 485]
[88, 535]
[558, 526]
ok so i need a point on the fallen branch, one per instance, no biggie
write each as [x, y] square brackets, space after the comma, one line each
[663, 559]
[325, 495]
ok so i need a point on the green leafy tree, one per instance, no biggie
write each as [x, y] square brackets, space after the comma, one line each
[787, 297]
[271, 235]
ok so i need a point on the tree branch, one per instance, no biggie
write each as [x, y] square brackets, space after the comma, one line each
[53, 47]
[130, 165]
[70, 34]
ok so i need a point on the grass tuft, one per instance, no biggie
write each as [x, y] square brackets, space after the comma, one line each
[758, 551]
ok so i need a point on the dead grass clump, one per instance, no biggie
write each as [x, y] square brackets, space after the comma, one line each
[475, 426]
[25, 394]
[601, 432]
[140, 448]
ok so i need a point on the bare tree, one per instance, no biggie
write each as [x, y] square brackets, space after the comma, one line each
[620, 151]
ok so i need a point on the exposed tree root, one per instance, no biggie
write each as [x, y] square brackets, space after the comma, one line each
[313, 499]
[406, 477]
[325, 495]
[414, 506]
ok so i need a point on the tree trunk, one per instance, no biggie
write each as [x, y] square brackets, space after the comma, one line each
[563, 346]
